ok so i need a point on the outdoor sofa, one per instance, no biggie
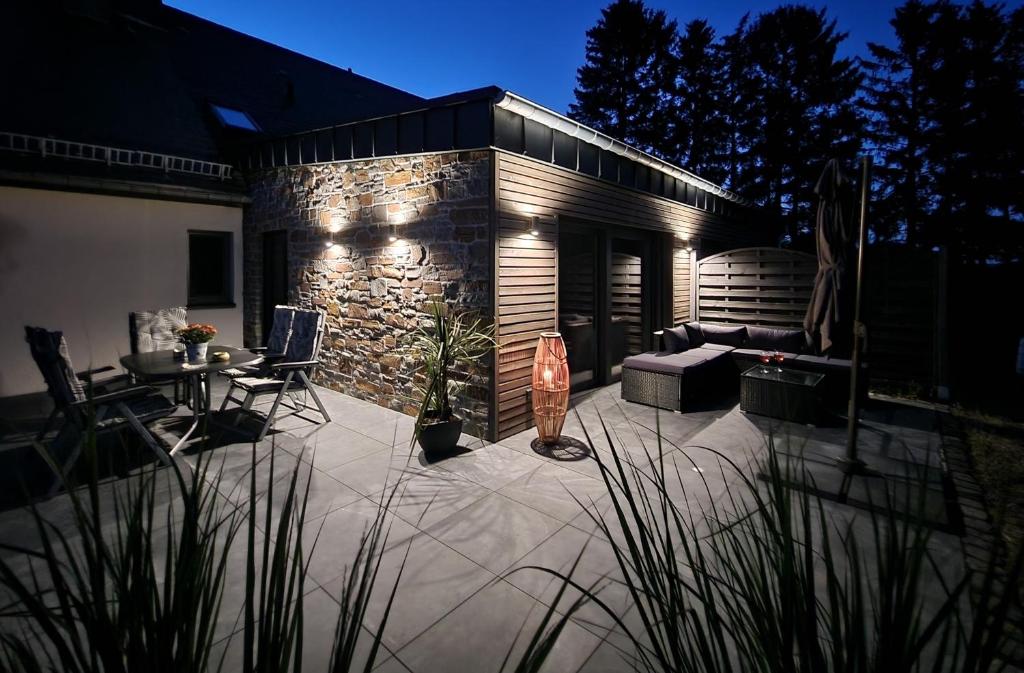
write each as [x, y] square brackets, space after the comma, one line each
[701, 362]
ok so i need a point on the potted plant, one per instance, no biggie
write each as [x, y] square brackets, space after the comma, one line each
[449, 341]
[196, 338]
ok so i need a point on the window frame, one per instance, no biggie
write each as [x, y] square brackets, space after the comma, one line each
[225, 299]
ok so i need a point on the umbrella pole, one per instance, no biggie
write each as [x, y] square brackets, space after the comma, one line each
[851, 463]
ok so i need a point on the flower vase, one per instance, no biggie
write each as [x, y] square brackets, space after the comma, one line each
[196, 352]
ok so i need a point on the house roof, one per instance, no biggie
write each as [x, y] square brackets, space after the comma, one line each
[144, 79]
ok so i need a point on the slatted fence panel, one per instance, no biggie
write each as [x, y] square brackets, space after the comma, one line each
[902, 308]
[756, 286]
[527, 305]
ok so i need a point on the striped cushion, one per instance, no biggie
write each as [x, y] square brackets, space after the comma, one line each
[258, 384]
[74, 384]
[156, 330]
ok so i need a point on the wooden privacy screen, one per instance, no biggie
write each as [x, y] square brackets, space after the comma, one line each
[527, 282]
[755, 286]
[680, 285]
[626, 298]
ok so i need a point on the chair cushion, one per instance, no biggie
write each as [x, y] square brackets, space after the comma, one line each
[76, 387]
[281, 330]
[774, 339]
[725, 335]
[676, 339]
[156, 330]
[304, 343]
[260, 384]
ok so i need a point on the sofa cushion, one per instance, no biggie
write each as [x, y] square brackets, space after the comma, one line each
[725, 335]
[670, 363]
[718, 348]
[822, 363]
[676, 339]
[774, 339]
[694, 334]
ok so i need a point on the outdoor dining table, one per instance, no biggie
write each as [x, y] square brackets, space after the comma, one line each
[163, 365]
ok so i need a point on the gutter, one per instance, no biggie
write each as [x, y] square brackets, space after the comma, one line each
[551, 119]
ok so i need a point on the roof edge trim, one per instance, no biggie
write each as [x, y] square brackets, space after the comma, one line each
[553, 120]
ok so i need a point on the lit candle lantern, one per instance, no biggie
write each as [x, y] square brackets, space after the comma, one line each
[550, 386]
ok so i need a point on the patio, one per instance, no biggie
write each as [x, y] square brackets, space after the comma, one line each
[470, 519]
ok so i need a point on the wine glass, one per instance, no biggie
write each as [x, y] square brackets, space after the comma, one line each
[778, 356]
[765, 358]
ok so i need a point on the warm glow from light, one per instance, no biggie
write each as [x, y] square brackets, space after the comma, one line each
[328, 244]
[547, 377]
[392, 239]
[534, 232]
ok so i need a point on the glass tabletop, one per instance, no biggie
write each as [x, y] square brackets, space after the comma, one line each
[784, 375]
[161, 364]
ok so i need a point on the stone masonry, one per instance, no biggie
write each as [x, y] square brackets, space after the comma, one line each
[375, 291]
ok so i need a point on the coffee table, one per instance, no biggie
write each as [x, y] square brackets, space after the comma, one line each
[162, 365]
[788, 394]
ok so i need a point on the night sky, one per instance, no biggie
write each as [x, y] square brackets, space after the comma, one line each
[531, 47]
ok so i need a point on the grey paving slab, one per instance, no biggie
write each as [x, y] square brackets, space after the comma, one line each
[494, 623]
[333, 444]
[429, 497]
[491, 466]
[595, 567]
[373, 473]
[433, 581]
[338, 536]
[495, 531]
[555, 490]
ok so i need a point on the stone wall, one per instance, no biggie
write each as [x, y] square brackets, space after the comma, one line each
[376, 291]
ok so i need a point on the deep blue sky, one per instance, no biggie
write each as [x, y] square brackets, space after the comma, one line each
[532, 47]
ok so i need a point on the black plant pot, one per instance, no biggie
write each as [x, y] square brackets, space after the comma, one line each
[440, 436]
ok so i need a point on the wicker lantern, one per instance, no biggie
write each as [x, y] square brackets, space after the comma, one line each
[550, 386]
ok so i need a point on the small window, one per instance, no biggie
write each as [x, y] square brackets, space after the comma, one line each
[234, 119]
[210, 269]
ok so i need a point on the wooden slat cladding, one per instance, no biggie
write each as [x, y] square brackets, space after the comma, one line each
[526, 277]
[680, 285]
[626, 298]
[531, 187]
[756, 286]
[527, 301]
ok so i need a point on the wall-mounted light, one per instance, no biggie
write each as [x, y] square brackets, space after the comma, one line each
[328, 244]
[393, 233]
[533, 226]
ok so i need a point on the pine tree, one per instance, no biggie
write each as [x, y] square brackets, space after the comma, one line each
[624, 87]
[698, 126]
[896, 96]
[802, 111]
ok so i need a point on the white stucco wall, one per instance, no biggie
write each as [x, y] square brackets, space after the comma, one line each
[79, 263]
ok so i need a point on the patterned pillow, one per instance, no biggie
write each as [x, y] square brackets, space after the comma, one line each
[156, 330]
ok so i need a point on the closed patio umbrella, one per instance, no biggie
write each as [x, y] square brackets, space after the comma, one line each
[833, 232]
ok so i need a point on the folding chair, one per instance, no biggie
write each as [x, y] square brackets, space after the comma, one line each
[287, 375]
[111, 405]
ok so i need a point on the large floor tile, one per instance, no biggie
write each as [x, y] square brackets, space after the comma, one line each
[427, 498]
[495, 531]
[490, 465]
[373, 473]
[338, 538]
[432, 580]
[555, 490]
[596, 569]
[333, 445]
[494, 624]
